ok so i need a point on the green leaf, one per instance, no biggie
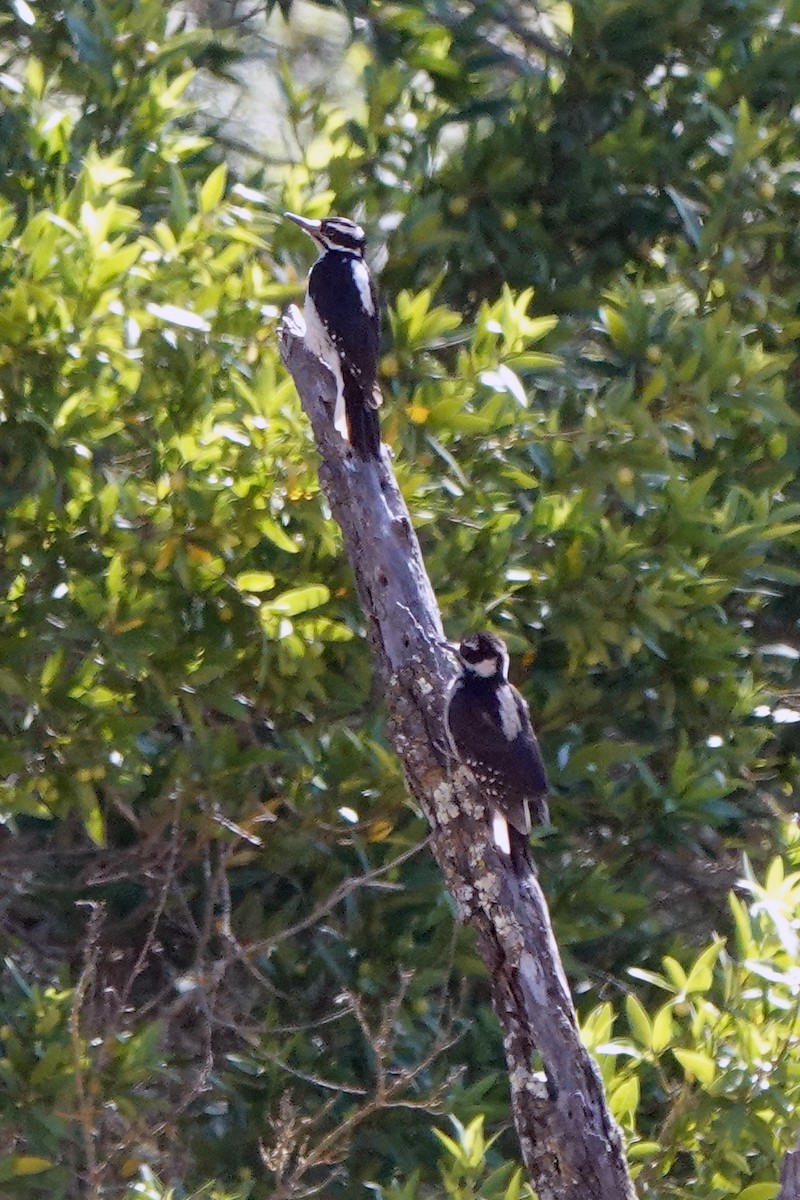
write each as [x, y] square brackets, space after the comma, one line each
[654, 386]
[32, 1164]
[701, 973]
[255, 581]
[450, 1146]
[277, 535]
[212, 191]
[644, 1150]
[13, 1166]
[473, 1141]
[615, 326]
[624, 1098]
[115, 264]
[536, 328]
[51, 669]
[514, 1189]
[179, 199]
[744, 930]
[675, 972]
[701, 1066]
[94, 824]
[662, 1028]
[298, 600]
[115, 577]
[7, 222]
[639, 1021]
[759, 1191]
[533, 360]
[598, 1025]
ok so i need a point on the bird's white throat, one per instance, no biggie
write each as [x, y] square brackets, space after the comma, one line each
[486, 668]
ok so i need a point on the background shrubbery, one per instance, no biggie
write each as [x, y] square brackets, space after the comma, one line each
[230, 969]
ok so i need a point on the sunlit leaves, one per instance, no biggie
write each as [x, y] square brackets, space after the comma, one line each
[416, 324]
[465, 1166]
[298, 600]
[716, 1045]
[255, 581]
[697, 1065]
[641, 1026]
[213, 189]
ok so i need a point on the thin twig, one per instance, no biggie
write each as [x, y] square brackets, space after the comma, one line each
[339, 893]
[85, 1105]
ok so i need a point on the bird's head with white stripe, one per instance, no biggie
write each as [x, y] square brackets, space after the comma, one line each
[333, 233]
[485, 655]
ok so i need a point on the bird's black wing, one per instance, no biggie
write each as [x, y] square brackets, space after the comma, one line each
[355, 333]
[353, 329]
[513, 770]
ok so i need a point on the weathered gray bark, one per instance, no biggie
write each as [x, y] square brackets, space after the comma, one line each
[790, 1176]
[570, 1143]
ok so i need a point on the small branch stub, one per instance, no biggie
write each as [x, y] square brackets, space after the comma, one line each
[570, 1144]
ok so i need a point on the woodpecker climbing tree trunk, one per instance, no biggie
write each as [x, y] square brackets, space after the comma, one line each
[570, 1144]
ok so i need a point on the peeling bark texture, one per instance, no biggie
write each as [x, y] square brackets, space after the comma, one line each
[570, 1144]
[790, 1176]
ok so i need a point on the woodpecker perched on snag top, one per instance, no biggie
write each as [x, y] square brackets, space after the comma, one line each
[491, 733]
[343, 327]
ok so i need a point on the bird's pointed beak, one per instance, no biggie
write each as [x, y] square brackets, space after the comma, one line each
[308, 224]
[451, 646]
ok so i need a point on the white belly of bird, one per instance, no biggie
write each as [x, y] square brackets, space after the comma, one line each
[319, 343]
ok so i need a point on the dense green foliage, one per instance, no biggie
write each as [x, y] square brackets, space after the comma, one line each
[231, 965]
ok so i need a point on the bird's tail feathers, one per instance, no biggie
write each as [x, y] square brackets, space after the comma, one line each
[363, 426]
[520, 854]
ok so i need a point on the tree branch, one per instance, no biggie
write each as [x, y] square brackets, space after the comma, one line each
[570, 1143]
[790, 1176]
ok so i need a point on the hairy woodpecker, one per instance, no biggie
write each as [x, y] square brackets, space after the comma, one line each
[491, 733]
[343, 328]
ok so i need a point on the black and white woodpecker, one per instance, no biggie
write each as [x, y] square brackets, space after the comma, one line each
[343, 327]
[490, 732]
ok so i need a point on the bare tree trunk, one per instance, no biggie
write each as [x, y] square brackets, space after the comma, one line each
[790, 1176]
[570, 1143]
